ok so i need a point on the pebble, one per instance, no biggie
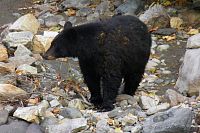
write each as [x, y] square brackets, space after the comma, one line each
[54, 103]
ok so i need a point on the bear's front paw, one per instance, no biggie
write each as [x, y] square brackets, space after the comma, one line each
[107, 107]
[96, 100]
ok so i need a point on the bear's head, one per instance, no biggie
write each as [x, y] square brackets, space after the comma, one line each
[63, 45]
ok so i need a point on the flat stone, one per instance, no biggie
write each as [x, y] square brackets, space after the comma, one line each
[174, 120]
[48, 121]
[27, 22]
[3, 116]
[32, 113]
[24, 69]
[158, 108]
[148, 102]
[194, 41]
[54, 103]
[163, 47]
[71, 113]
[14, 39]
[34, 128]
[14, 127]
[68, 126]
[175, 98]
[4, 54]
[9, 91]
[51, 21]
[73, 4]
[20, 60]
[22, 50]
[165, 31]
[83, 12]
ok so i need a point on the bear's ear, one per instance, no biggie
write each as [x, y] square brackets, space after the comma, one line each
[68, 25]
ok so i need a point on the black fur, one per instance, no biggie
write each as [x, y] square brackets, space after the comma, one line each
[107, 51]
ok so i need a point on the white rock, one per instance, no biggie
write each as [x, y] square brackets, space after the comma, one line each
[20, 60]
[27, 22]
[9, 91]
[4, 53]
[76, 103]
[154, 11]
[148, 102]
[163, 47]
[67, 126]
[13, 39]
[194, 41]
[22, 50]
[158, 108]
[32, 113]
[41, 43]
[54, 103]
[166, 72]
[27, 69]
[151, 65]
[189, 73]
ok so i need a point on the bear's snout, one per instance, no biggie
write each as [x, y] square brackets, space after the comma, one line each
[48, 57]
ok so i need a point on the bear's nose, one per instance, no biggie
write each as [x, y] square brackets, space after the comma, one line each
[48, 57]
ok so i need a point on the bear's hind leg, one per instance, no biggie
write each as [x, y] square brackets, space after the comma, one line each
[110, 86]
[132, 82]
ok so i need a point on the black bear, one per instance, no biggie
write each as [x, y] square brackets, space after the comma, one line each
[108, 51]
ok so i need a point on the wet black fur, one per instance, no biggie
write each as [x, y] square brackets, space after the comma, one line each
[107, 51]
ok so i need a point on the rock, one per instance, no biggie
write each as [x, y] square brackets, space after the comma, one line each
[151, 65]
[20, 60]
[76, 103]
[6, 68]
[13, 39]
[32, 113]
[129, 120]
[70, 113]
[34, 128]
[165, 31]
[115, 113]
[130, 7]
[102, 7]
[67, 126]
[163, 47]
[158, 108]
[174, 120]
[176, 22]
[14, 127]
[27, 22]
[3, 116]
[48, 121]
[189, 75]
[51, 21]
[4, 54]
[8, 91]
[153, 12]
[174, 97]
[83, 12]
[54, 103]
[26, 69]
[22, 50]
[136, 129]
[130, 99]
[73, 4]
[194, 41]
[41, 43]
[102, 126]
[148, 102]
[9, 78]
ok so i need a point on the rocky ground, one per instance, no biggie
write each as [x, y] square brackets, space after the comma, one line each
[50, 96]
